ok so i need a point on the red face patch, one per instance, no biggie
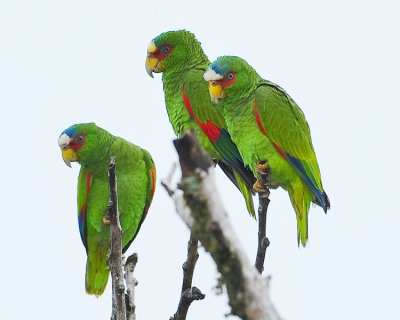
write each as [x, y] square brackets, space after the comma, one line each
[164, 51]
[228, 79]
[78, 141]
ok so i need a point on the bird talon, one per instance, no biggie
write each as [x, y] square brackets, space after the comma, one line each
[260, 187]
[106, 219]
[262, 167]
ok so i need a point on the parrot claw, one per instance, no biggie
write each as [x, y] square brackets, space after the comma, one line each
[123, 260]
[264, 180]
[262, 168]
[261, 188]
[106, 219]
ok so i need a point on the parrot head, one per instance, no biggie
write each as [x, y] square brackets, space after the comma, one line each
[174, 50]
[84, 143]
[231, 78]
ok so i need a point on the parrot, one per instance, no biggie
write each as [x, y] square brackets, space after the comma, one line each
[269, 129]
[92, 147]
[180, 57]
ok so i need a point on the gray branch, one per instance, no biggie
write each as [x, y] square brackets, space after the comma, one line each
[200, 206]
[115, 257]
[123, 304]
[263, 199]
[188, 294]
[131, 284]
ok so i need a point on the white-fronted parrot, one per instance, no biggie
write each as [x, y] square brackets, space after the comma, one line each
[179, 56]
[267, 125]
[93, 147]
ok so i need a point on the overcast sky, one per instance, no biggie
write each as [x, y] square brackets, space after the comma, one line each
[66, 62]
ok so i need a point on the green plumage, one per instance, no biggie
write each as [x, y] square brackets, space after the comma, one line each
[267, 125]
[135, 173]
[183, 70]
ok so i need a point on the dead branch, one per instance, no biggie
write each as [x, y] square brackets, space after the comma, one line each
[263, 199]
[115, 257]
[188, 294]
[131, 284]
[201, 209]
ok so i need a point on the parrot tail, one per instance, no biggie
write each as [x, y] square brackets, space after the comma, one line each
[247, 194]
[301, 197]
[96, 270]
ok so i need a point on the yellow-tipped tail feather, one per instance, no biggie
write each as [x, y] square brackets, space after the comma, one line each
[96, 270]
[300, 196]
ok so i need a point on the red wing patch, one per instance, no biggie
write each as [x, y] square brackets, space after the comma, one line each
[153, 179]
[209, 128]
[83, 212]
[88, 183]
[280, 150]
[260, 126]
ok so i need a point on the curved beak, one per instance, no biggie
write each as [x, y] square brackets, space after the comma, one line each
[152, 63]
[216, 91]
[69, 155]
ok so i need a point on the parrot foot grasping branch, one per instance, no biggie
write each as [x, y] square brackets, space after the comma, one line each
[264, 122]
[179, 56]
[106, 219]
[264, 178]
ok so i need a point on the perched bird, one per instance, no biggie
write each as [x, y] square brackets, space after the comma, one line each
[179, 56]
[268, 126]
[92, 147]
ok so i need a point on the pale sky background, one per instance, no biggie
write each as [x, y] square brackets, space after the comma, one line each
[66, 62]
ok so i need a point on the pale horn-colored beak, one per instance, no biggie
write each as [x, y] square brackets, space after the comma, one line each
[149, 70]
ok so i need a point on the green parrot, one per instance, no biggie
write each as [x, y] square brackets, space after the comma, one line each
[179, 56]
[92, 147]
[268, 126]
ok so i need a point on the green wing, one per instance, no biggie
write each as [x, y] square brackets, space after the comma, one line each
[209, 118]
[150, 186]
[285, 125]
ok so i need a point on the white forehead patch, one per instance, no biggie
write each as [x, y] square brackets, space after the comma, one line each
[63, 140]
[211, 75]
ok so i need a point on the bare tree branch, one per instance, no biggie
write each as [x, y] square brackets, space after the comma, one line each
[131, 284]
[263, 242]
[115, 257]
[201, 208]
[188, 294]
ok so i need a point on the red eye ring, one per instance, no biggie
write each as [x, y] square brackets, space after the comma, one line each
[229, 78]
[78, 141]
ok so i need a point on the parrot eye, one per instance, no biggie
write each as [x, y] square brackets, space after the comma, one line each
[79, 139]
[164, 50]
[230, 76]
